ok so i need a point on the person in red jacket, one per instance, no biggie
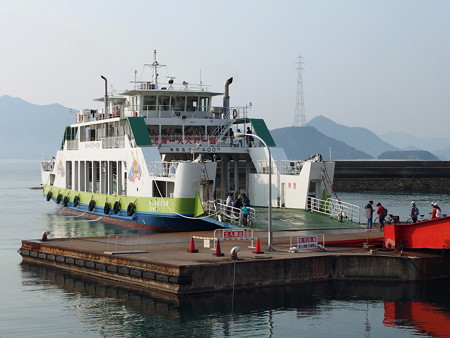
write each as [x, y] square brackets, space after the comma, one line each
[381, 214]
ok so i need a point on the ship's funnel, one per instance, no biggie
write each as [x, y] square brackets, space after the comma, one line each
[226, 96]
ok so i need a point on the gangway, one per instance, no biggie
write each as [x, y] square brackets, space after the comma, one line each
[228, 214]
[337, 209]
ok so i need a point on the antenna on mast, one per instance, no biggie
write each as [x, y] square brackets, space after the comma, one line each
[299, 117]
[155, 65]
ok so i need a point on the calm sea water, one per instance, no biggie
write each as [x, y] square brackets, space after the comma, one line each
[40, 301]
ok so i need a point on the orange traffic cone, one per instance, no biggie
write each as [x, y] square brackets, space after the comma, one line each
[218, 253]
[192, 248]
[258, 247]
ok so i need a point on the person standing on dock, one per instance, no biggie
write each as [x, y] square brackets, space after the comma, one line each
[381, 212]
[245, 212]
[414, 212]
[369, 215]
[436, 212]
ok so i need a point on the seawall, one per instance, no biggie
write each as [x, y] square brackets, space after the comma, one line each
[388, 176]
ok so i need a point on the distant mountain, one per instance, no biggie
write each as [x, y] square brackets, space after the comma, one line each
[404, 140]
[438, 146]
[30, 131]
[419, 155]
[359, 138]
[301, 142]
[443, 154]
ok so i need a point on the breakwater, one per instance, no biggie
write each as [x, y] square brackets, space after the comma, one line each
[389, 176]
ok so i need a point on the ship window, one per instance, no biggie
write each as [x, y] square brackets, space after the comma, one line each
[153, 130]
[189, 130]
[171, 131]
[164, 102]
[178, 102]
[204, 104]
[150, 102]
[191, 103]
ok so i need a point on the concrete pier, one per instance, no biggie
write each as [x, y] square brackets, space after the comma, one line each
[161, 262]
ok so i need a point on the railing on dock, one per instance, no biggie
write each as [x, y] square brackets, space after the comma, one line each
[341, 211]
[228, 214]
[123, 244]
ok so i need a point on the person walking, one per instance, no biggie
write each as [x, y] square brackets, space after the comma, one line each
[250, 138]
[245, 200]
[369, 215]
[436, 212]
[245, 212]
[229, 202]
[414, 212]
[381, 212]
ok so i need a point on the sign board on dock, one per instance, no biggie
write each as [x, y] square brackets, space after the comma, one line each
[234, 234]
[308, 242]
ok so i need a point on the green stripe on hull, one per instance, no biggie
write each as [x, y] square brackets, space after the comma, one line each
[186, 206]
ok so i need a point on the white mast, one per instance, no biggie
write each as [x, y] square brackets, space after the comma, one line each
[155, 65]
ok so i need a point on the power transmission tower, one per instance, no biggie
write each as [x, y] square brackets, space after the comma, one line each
[300, 118]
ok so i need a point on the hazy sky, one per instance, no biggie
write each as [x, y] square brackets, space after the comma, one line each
[383, 65]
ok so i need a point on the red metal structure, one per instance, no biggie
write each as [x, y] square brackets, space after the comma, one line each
[432, 234]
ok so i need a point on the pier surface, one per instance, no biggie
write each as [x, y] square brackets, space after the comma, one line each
[161, 262]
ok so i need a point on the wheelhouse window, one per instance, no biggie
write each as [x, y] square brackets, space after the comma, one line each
[178, 102]
[149, 102]
[191, 103]
[204, 103]
[164, 102]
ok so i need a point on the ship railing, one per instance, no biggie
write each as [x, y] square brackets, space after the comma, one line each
[162, 169]
[47, 165]
[262, 167]
[282, 167]
[287, 167]
[337, 209]
[194, 141]
[148, 85]
[171, 111]
[72, 144]
[227, 213]
[113, 142]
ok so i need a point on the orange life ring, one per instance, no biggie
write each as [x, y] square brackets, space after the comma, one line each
[234, 113]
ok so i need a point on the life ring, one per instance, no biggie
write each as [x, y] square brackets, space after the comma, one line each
[131, 208]
[58, 199]
[107, 208]
[49, 196]
[116, 207]
[66, 201]
[76, 201]
[91, 205]
[234, 113]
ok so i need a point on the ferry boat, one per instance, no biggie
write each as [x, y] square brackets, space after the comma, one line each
[160, 155]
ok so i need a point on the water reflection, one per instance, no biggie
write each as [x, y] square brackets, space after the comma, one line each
[65, 226]
[109, 308]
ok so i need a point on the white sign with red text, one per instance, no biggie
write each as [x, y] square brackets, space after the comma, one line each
[234, 234]
[307, 242]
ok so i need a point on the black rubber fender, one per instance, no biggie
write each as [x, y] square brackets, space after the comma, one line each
[66, 201]
[91, 205]
[76, 201]
[49, 196]
[116, 207]
[107, 208]
[131, 208]
[58, 199]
